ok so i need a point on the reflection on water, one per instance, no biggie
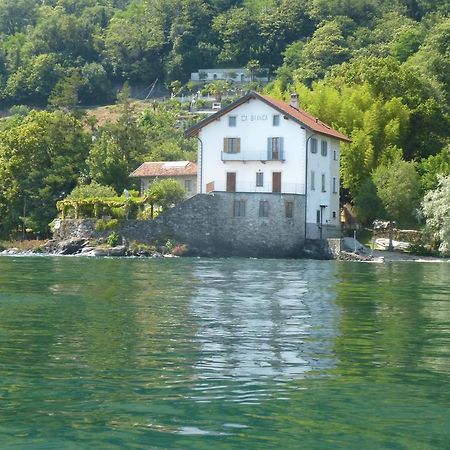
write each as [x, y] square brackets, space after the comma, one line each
[271, 322]
[231, 354]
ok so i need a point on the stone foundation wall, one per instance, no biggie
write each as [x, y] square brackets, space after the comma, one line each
[210, 226]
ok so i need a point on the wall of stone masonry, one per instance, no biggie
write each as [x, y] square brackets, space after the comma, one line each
[208, 225]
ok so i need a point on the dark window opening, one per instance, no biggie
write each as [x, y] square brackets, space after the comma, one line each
[259, 179]
[239, 208]
[289, 209]
[263, 208]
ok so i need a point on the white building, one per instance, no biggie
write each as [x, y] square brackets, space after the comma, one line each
[185, 172]
[262, 145]
[240, 75]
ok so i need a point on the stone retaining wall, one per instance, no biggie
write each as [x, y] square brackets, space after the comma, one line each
[210, 226]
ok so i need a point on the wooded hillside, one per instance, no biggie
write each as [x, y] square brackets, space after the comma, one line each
[378, 70]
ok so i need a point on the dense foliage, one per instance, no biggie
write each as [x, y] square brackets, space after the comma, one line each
[378, 70]
[166, 193]
[436, 208]
[47, 48]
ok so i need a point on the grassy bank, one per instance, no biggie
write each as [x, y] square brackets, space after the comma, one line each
[23, 246]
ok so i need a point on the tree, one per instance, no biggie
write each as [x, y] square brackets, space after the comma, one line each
[238, 32]
[107, 162]
[368, 205]
[65, 93]
[40, 159]
[253, 67]
[436, 209]
[398, 189]
[432, 167]
[326, 48]
[166, 193]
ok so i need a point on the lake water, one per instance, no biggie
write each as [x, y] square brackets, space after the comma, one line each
[223, 354]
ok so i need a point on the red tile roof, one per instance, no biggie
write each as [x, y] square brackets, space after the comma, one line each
[298, 115]
[305, 118]
[165, 169]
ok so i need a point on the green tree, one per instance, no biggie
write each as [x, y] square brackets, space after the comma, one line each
[65, 94]
[107, 162]
[238, 32]
[135, 41]
[15, 15]
[40, 159]
[398, 188]
[436, 209]
[327, 47]
[432, 168]
[166, 193]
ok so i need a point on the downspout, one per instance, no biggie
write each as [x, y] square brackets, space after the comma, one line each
[306, 179]
[201, 164]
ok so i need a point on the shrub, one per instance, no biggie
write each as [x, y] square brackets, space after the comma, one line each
[92, 190]
[168, 246]
[139, 248]
[179, 249]
[113, 239]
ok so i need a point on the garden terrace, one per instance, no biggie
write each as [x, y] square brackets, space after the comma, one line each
[119, 208]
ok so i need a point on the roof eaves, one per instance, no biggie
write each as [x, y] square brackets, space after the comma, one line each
[133, 174]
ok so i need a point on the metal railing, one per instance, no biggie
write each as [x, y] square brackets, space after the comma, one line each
[254, 156]
[247, 186]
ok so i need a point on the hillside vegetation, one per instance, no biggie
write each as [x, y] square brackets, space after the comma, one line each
[378, 70]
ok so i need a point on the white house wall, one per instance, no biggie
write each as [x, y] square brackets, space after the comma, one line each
[254, 126]
[328, 166]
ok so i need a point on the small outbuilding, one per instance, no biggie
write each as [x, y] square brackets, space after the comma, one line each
[185, 172]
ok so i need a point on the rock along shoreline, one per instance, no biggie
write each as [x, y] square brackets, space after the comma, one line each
[82, 247]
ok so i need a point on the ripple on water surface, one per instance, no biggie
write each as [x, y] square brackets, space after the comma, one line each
[230, 353]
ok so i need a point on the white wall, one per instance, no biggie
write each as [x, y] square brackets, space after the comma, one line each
[330, 168]
[254, 126]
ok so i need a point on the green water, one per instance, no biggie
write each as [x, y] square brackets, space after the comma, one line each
[223, 354]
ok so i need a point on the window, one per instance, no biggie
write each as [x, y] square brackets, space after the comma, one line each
[313, 145]
[232, 145]
[259, 179]
[289, 209]
[318, 216]
[188, 185]
[239, 208]
[275, 148]
[334, 186]
[335, 155]
[276, 120]
[231, 121]
[334, 214]
[323, 183]
[263, 208]
[313, 180]
[324, 148]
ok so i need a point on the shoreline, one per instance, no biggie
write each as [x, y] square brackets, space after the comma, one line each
[378, 257]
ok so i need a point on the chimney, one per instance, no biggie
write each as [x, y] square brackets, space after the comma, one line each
[294, 100]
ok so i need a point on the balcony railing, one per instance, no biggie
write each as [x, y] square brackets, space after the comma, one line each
[248, 186]
[254, 156]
